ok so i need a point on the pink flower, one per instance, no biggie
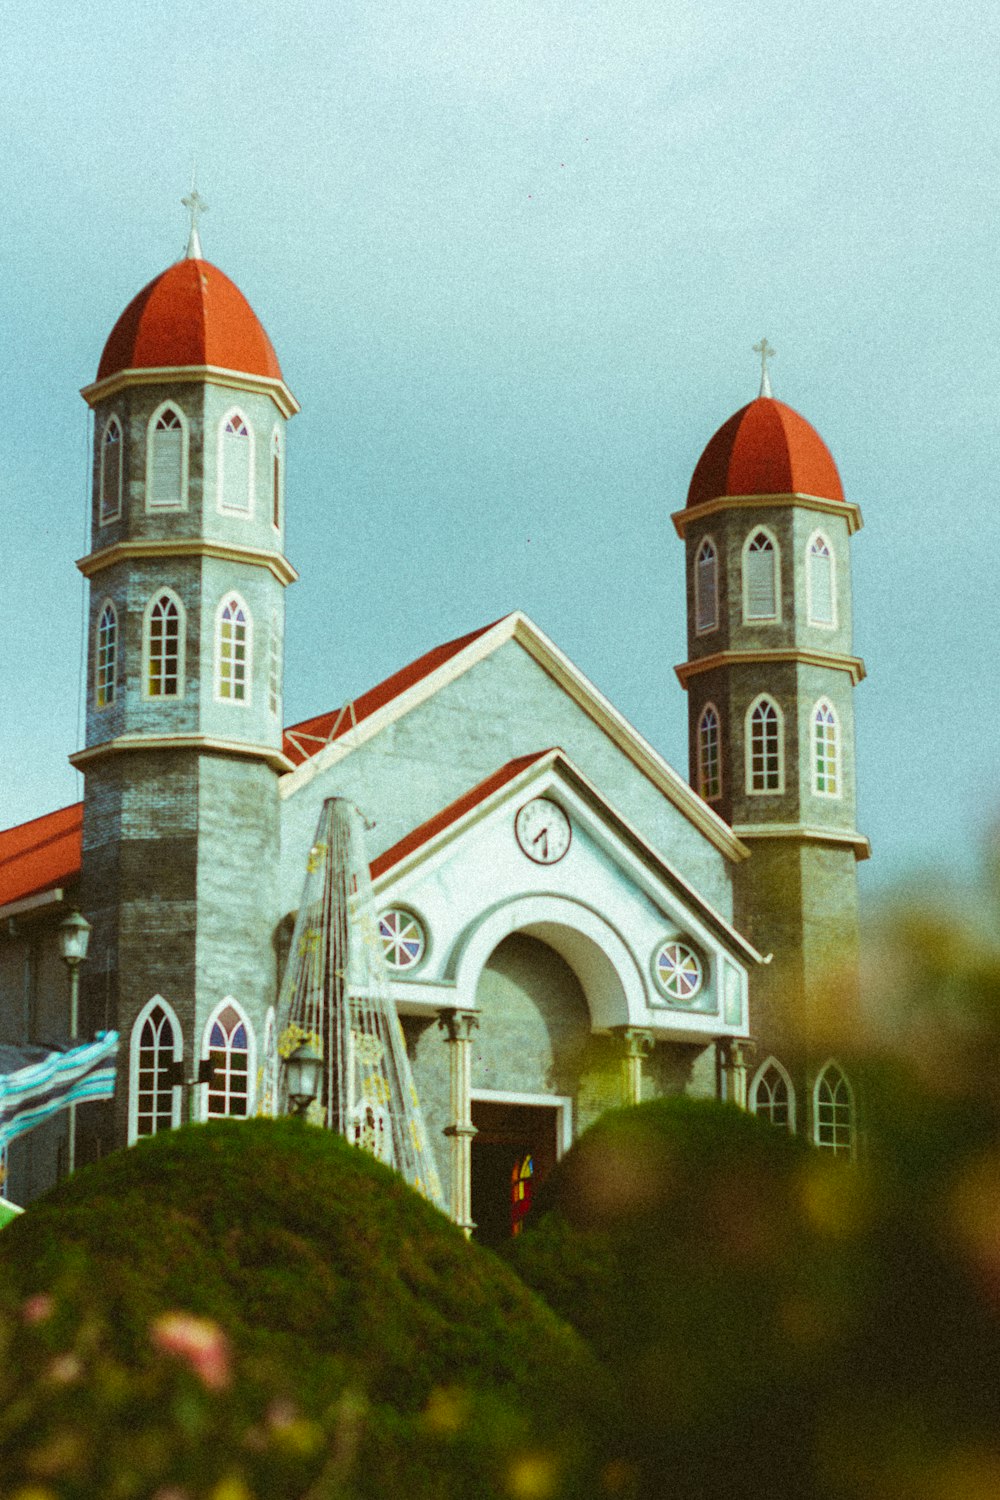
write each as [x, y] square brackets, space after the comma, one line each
[38, 1308]
[199, 1343]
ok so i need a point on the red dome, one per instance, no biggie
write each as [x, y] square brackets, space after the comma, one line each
[765, 449]
[191, 314]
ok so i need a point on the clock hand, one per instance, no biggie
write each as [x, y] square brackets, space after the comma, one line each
[544, 834]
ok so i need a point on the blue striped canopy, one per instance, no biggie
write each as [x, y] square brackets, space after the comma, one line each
[36, 1082]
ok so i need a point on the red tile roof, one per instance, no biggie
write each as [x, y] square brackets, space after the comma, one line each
[304, 740]
[765, 448]
[191, 314]
[42, 854]
[451, 814]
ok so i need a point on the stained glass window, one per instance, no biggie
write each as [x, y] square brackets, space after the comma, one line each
[274, 667]
[709, 754]
[154, 1089]
[771, 1098]
[760, 594]
[229, 1052]
[164, 644]
[233, 651]
[106, 657]
[706, 588]
[820, 564]
[826, 747]
[403, 938]
[165, 475]
[235, 464]
[111, 471]
[678, 971]
[834, 1112]
[521, 1184]
[764, 764]
[276, 481]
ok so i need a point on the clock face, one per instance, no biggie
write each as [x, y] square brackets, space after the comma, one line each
[542, 830]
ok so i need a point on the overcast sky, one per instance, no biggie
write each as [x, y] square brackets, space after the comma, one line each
[513, 255]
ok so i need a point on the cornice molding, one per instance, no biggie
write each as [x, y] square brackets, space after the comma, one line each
[124, 744]
[808, 833]
[257, 557]
[100, 390]
[846, 508]
[802, 655]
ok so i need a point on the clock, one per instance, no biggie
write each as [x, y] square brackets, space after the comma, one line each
[542, 830]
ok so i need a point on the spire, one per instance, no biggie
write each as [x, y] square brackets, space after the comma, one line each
[766, 352]
[195, 205]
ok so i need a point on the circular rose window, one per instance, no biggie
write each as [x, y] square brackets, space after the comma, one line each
[678, 972]
[403, 940]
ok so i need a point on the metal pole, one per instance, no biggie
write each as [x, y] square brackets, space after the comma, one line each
[74, 1026]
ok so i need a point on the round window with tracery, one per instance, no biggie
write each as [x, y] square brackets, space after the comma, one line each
[678, 972]
[403, 940]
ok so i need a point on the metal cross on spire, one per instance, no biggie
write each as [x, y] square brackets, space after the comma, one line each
[766, 352]
[195, 205]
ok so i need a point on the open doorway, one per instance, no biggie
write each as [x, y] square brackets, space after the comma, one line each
[515, 1148]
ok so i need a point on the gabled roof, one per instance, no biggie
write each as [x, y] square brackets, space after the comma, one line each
[320, 742]
[42, 854]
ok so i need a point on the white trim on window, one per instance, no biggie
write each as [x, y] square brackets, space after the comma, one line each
[561, 1104]
[233, 651]
[236, 499]
[820, 555]
[167, 446]
[761, 586]
[709, 753]
[223, 1098]
[834, 1118]
[706, 587]
[166, 1037]
[824, 744]
[277, 476]
[168, 680]
[106, 656]
[765, 754]
[110, 484]
[770, 1107]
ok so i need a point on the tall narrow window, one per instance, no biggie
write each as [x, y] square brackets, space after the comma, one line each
[106, 657]
[166, 469]
[826, 750]
[235, 464]
[232, 654]
[765, 761]
[834, 1112]
[706, 588]
[111, 471]
[760, 574]
[164, 647]
[709, 754]
[819, 585]
[229, 1052]
[771, 1096]
[276, 480]
[274, 667]
[153, 1058]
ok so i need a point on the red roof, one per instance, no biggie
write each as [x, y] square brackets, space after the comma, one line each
[766, 448]
[42, 854]
[191, 314]
[451, 814]
[302, 741]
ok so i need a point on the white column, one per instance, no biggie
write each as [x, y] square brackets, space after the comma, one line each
[734, 1060]
[459, 1025]
[638, 1043]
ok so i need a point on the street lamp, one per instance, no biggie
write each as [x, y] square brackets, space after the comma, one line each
[302, 1075]
[74, 936]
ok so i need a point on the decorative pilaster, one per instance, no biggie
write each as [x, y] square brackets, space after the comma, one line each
[734, 1060]
[638, 1044]
[459, 1025]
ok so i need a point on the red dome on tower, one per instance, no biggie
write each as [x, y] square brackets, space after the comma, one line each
[766, 448]
[191, 314]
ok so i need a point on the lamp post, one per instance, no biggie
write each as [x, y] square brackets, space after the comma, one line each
[302, 1074]
[74, 936]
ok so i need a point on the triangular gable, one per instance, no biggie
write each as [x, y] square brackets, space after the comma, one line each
[321, 742]
[40, 855]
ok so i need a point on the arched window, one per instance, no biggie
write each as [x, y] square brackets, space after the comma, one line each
[228, 1047]
[236, 464]
[826, 750]
[274, 667]
[232, 652]
[154, 1102]
[709, 754]
[706, 588]
[764, 748]
[760, 577]
[111, 471]
[833, 1111]
[276, 479]
[106, 657]
[163, 647]
[819, 581]
[772, 1096]
[166, 460]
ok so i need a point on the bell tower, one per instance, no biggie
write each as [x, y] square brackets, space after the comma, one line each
[185, 636]
[770, 678]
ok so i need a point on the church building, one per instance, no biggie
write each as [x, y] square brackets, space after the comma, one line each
[567, 923]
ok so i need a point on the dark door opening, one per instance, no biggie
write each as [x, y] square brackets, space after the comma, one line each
[512, 1153]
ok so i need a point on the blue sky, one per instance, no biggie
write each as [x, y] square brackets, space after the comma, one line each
[513, 257]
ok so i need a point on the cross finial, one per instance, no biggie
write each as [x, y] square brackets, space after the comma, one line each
[766, 352]
[195, 205]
